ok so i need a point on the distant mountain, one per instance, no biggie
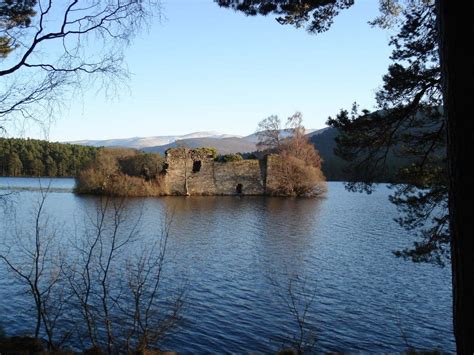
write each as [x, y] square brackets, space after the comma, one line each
[230, 143]
[324, 141]
[334, 167]
[144, 142]
[223, 145]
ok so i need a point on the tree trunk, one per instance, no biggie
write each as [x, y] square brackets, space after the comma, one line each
[457, 63]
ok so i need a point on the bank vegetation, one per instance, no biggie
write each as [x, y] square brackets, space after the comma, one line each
[293, 165]
[122, 172]
[297, 169]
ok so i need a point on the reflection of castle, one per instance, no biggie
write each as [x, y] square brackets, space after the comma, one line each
[195, 172]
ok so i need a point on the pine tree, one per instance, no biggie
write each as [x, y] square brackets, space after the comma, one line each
[409, 124]
[13, 14]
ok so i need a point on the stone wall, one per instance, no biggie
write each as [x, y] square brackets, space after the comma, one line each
[272, 167]
[194, 172]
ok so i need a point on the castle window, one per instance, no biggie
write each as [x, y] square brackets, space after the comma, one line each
[239, 188]
[196, 166]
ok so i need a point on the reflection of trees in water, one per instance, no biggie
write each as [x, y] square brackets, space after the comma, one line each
[288, 224]
[234, 244]
[238, 235]
[229, 246]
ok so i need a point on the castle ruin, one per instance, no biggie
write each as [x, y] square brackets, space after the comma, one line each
[196, 172]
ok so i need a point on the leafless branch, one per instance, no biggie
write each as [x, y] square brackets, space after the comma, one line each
[298, 297]
[37, 263]
[67, 44]
[121, 311]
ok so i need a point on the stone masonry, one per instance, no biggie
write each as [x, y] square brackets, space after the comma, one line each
[195, 172]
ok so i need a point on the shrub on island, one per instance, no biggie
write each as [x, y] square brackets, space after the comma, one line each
[122, 172]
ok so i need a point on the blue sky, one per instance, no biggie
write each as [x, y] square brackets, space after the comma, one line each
[207, 68]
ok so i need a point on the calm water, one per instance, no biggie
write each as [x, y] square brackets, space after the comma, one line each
[230, 249]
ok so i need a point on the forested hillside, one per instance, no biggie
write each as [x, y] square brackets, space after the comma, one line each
[335, 168]
[31, 157]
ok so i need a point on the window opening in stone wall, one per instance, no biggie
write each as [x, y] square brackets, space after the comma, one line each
[196, 166]
[239, 188]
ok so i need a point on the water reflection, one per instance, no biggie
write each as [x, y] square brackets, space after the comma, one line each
[227, 248]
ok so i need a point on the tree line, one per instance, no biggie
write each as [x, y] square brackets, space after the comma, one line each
[32, 157]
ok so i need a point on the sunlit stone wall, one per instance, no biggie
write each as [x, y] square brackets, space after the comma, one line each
[194, 172]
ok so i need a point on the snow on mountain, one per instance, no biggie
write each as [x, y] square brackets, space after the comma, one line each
[226, 143]
[143, 142]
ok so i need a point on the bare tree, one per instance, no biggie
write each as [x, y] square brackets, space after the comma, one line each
[294, 124]
[297, 171]
[269, 133]
[115, 282]
[292, 137]
[60, 44]
[298, 297]
[149, 324]
[92, 277]
[109, 285]
[36, 260]
[297, 143]
[109, 248]
[80, 274]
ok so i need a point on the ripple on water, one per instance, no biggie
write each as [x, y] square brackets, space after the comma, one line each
[230, 251]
